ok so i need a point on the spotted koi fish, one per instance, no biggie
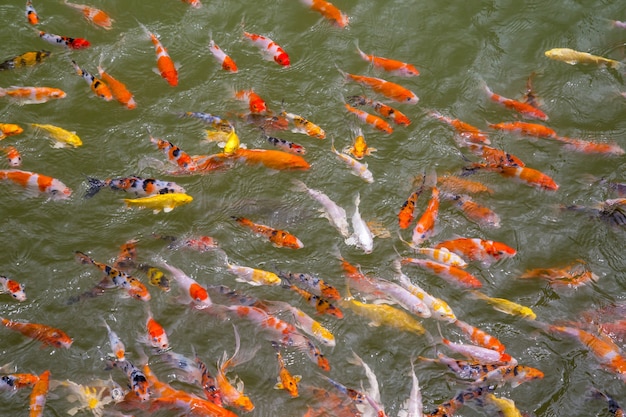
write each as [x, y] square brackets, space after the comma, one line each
[137, 186]
[26, 59]
[14, 382]
[31, 13]
[303, 125]
[381, 108]
[38, 183]
[175, 154]
[321, 305]
[99, 88]
[13, 288]
[47, 335]
[449, 408]
[462, 368]
[117, 346]
[208, 383]
[65, 41]
[316, 285]
[513, 374]
[93, 15]
[136, 378]
[286, 145]
[279, 238]
[269, 48]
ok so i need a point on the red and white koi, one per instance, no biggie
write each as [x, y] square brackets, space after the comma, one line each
[37, 183]
[370, 119]
[118, 89]
[14, 382]
[392, 66]
[475, 249]
[32, 95]
[328, 10]
[117, 346]
[425, 226]
[97, 86]
[362, 235]
[31, 13]
[165, 64]
[387, 88]
[479, 353]
[359, 169]
[381, 108]
[303, 125]
[480, 337]
[452, 274]
[47, 335]
[96, 16]
[39, 394]
[139, 187]
[13, 288]
[269, 48]
[193, 292]
[156, 335]
[255, 103]
[225, 61]
[279, 238]
[465, 130]
[335, 214]
[65, 41]
[525, 109]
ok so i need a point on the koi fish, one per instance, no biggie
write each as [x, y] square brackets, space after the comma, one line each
[525, 109]
[225, 61]
[197, 243]
[255, 103]
[62, 137]
[253, 276]
[9, 129]
[158, 202]
[192, 291]
[208, 383]
[14, 382]
[589, 147]
[286, 381]
[480, 337]
[196, 4]
[231, 395]
[494, 157]
[65, 41]
[335, 214]
[506, 306]
[479, 353]
[303, 125]
[13, 288]
[450, 407]
[165, 64]
[458, 185]
[529, 176]
[321, 305]
[573, 57]
[118, 89]
[392, 66]
[269, 48]
[425, 226]
[32, 95]
[505, 405]
[26, 59]
[413, 406]
[359, 148]
[381, 108]
[452, 274]
[614, 408]
[272, 159]
[156, 335]
[39, 394]
[34, 182]
[316, 285]
[475, 212]
[370, 119]
[139, 187]
[574, 274]
[175, 154]
[156, 277]
[216, 122]
[286, 146]
[136, 378]
[99, 88]
[359, 169]
[514, 374]
[328, 10]
[362, 235]
[117, 346]
[474, 249]
[13, 155]
[387, 88]
[443, 255]
[465, 130]
[407, 211]
[307, 324]
[279, 238]
[31, 13]
[528, 129]
[47, 335]
[462, 368]
[93, 15]
[402, 296]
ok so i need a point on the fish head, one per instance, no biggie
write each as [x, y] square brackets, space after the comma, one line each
[244, 403]
[79, 43]
[500, 250]
[198, 294]
[533, 373]
[282, 59]
[59, 191]
[56, 93]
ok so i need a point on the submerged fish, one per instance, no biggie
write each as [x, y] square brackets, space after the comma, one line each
[573, 57]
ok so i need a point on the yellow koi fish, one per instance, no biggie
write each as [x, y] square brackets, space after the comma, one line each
[158, 202]
[508, 307]
[62, 137]
[506, 406]
[573, 57]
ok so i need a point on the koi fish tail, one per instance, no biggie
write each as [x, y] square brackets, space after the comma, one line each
[83, 258]
[78, 69]
[95, 185]
[357, 100]
[3, 92]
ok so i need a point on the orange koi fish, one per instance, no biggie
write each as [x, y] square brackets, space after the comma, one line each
[475, 212]
[474, 249]
[390, 65]
[157, 337]
[589, 147]
[280, 238]
[175, 154]
[465, 130]
[32, 95]
[452, 274]
[117, 346]
[459, 185]
[118, 89]
[525, 109]
[31, 13]
[93, 15]
[13, 288]
[370, 119]
[321, 305]
[37, 183]
[208, 382]
[387, 88]
[255, 102]
[286, 381]
[9, 129]
[65, 41]
[316, 285]
[528, 129]
[165, 64]
[97, 86]
[192, 291]
[225, 61]
[480, 337]
[269, 48]
[328, 10]
[231, 395]
[425, 227]
[463, 369]
[407, 211]
[270, 158]
[47, 335]
[494, 157]
[573, 275]
[13, 155]
[359, 148]
[303, 125]
[528, 176]
[38, 395]
[14, 382]
[383, 109]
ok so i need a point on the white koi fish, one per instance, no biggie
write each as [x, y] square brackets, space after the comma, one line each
[362, 236]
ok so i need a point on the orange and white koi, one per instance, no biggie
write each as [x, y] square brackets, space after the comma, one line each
[286, 381]
[329, 11]
[362, 235]
[97, 86]
[321, 304]
[227, 63]
[525, 109]
[614, 408]
[529, 176]
[359, 169]
[465, 130]
[381, 108]
[13, 155]
[65, 41]
[118, 89]
[96, 16]
[590, 147]
[14, 382]
[482, 215]
[9, 129]
[479, 353]
[458, 185]
[316, 285]
[13, 288]
[117, 346]
[137, 186]
[479, 336]
[392, 66]
[335, 214]
[387, 88]
[359, 148]
[527, 129]
[573, 275]
[175, 155]
[34, 182]
[131, 285]
[475, 249]
[165, 64]
[31, 13]
[47, 335]
[506, 306]
[370, 119]
[303, 125]
[136, 379]
[269, 48]
[425, 226]
[514, 374]
[279, 238]
[253, 276]
[193, 292]
[452, 274]
[255, 103]
[39, 394]
[156, 335]
[231, 395]
[32, 95]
